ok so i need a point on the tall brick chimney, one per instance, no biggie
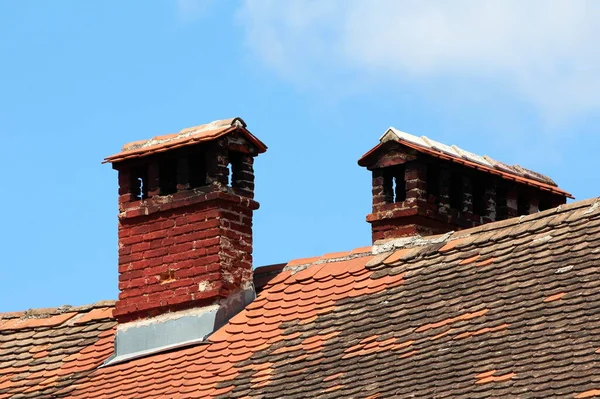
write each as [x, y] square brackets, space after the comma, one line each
[423, 187]
[185, 234]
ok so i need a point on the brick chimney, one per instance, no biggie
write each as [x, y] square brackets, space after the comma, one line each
[185, 234]
[423, 187]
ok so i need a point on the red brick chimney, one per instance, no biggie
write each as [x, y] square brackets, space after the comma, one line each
[422, 187]
[185, 224]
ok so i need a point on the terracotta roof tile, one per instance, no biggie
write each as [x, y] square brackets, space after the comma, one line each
[50, 349]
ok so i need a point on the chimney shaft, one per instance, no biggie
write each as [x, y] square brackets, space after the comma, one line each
[185, 221]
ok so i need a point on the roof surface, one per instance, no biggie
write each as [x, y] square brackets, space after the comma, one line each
[188, 136]
[44, 350]
[508, 309]
[467, 158]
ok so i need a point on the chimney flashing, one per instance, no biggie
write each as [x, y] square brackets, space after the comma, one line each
[176, 329]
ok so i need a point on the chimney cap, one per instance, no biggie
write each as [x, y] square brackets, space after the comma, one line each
[458, 155]
[188, 136]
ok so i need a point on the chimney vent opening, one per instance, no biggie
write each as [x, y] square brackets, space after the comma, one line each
[235, 168]
[523, 204]
[139, 184]
[501, 202]
[394, 184]
[545, 203]
[197, 170]
[479, 204]
[433, 183]
[167, 180]
[456, 191]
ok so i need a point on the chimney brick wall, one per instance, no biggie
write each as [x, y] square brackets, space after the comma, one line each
[193, 253]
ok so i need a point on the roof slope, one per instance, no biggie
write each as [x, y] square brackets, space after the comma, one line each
[507, 309]
[43, 350]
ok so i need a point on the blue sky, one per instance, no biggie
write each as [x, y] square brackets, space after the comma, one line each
[317, 81]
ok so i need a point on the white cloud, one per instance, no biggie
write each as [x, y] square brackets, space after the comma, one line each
[545, 51]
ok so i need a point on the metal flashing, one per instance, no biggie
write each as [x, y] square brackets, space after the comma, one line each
[177, 329]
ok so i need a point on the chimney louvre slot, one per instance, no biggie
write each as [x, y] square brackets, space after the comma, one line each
[479, 203]
[167, 176]
[197, 170]
[394, 184]
[501, 203]
[433, 183]
[235, 165]
[456, 191]
[523, 204]
[545, 203]
[139, 184]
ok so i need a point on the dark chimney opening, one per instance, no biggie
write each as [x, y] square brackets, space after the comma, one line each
[456, 191]
[545, 203]
[479, 203]
[197, 170]
[167, 176]
[394, 184]
[235, 165]
[139, 183]
[433, 183]
[501, 202]
[522, 203]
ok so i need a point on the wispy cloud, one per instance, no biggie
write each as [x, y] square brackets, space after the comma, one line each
[543, 51]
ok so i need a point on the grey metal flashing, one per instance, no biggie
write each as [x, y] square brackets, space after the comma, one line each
[175, 330]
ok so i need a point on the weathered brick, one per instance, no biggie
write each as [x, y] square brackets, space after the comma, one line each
[202, 239]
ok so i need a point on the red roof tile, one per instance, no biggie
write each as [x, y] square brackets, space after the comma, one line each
[43, 351]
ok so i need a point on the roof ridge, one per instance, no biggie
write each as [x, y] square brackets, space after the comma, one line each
[382, 249]
[394, 252]
[534, 216]
[419, 241]
[297, 265]
[41, 313]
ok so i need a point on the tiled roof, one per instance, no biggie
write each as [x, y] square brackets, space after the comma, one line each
[507, 309]
[458, 155]
[188, 136]
[44, 350]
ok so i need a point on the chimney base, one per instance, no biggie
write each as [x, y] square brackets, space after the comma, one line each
[177, 329]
